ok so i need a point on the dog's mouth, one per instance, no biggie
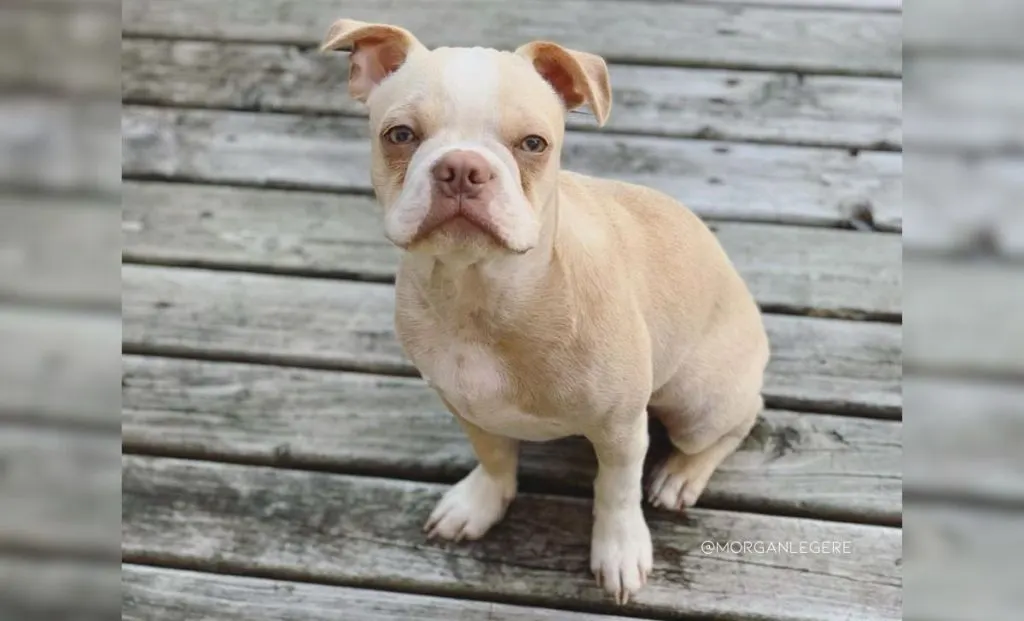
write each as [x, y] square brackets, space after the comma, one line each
[464, 225]
[458, 218]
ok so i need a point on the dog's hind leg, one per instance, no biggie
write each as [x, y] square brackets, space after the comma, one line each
[679, 481]
[706, 422]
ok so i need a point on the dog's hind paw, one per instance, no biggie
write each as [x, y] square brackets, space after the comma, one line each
[471, 507]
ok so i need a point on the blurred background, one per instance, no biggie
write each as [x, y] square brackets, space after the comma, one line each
[964, 308]
[60, 327]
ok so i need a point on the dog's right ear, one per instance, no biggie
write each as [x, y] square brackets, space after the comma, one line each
[377, 51]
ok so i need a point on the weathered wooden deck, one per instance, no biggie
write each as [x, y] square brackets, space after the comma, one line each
[258, 484]
[282, 455]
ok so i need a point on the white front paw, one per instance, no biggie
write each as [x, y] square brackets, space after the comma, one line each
[471, 507]
[620, 554]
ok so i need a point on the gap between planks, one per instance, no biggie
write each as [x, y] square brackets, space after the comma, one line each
[163, 593]
[220, 265]
[791, 270]
[858, 219]
[827, 405]
[346, 530]
[759, 107]
[786, 184]
[830, 365]
[395, 427]
[644, 32]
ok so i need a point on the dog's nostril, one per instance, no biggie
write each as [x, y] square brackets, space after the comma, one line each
[477, 176]
[447, 173]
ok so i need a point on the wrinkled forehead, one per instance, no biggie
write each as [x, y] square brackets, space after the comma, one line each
[471, 89]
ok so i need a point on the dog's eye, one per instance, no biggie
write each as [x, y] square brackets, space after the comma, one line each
[400, 134]
[533, 144]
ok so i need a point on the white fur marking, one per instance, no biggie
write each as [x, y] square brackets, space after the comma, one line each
[471, 121]
[471, 90]
[473, 381]
[620, 551]
[469, 509]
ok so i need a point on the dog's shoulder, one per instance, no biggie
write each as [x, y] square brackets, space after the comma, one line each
[629, 208]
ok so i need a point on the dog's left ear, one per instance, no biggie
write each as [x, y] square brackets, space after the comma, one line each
[577, 77]
[377, 51]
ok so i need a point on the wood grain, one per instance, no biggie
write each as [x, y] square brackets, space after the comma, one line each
[820, 364]
[59, 367]
[158, 594]
[806, 464]
[60, 250]
[727, 105]
[722, 180]
[965, 318]
[639, 32]
[60, 491]
[968, 442]
[790, 269]
[358, 531]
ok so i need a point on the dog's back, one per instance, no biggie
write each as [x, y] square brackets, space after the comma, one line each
[678, 272]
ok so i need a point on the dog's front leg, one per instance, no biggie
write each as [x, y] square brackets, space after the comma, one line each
[620, 555]
[479, 500]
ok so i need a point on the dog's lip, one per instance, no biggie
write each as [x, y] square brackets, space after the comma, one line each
[466, 223]
[461, 220]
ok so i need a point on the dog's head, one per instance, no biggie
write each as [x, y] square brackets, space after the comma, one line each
[466, 142]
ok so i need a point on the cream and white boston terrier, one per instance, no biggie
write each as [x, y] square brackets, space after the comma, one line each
[541, 303]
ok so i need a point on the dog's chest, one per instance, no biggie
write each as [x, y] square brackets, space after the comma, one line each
[476, 384]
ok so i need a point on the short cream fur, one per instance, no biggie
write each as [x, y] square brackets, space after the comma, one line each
[590, 305]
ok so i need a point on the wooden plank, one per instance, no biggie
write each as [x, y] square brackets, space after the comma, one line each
[61, 250]
[639, 32]
[970, 446]
[61, 491]
[958, 205]
[59, 367]
[85, 62]
[729, 105]
[790, 269]
[819, 364]
[963, 563]
[953, 27]
[158, 594]
[950, 104]
[722, 180]
[53, 144]
[68, 589]
[805, 464]
[964, 317]
[359, 531]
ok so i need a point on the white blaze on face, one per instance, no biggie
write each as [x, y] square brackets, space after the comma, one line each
[470, 78]
[470, 119]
